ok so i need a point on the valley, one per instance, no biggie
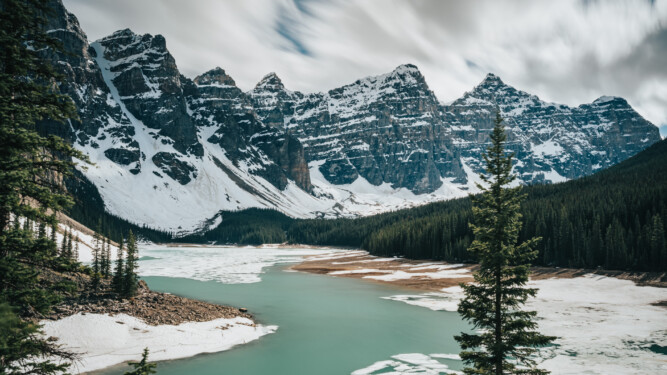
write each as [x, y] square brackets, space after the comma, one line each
[460, 187]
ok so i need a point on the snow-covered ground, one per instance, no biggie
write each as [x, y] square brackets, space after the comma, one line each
[86, 243]
[103, 340]
[222, 264]
[604, 325]
[411, 363]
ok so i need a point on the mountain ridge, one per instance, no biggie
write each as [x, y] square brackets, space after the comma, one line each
[195, 147]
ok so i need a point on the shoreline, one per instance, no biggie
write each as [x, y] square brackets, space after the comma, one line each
[609, 321]
[104, 331]
[102, 340]
[428, 275]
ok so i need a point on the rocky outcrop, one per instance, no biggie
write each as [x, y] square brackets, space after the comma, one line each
[384, 129]
[149, 85]
[552, 142]
[99, 116]
[145, 125]
[392, 129]
[172, 166]
[152, 307]
[126, 81]
[225, 112]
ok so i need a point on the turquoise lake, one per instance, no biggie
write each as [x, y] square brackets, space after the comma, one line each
[327, 325]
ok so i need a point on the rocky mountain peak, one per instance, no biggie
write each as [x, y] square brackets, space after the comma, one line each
[611, 100]
[63, 21]
[407, 75]
[407, 70]
[270, 82]
[492, 80]
[492, 91]
[492, 86]
[216, 76]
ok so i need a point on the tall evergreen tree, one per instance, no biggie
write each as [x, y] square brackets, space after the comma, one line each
[63, 246]
[97, 243]
[119, 272]
[493, 302]
[28, 163]
[75, 251]
[130, 278]
[54, 230]
[68, 247]
[107, 257]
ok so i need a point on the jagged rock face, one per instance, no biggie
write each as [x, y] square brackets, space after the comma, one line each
[149, 84]
[552, 142]
[149, 149]
[227, 114]
[390, 128]
[145, 84]
[272, 101]
[385, 129]
[195, 147]
[100, 117]
[172, 166]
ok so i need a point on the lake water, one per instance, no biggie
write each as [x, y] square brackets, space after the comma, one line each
[327, 325]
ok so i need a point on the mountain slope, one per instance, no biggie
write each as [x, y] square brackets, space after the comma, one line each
[614, 219]
[172, 153]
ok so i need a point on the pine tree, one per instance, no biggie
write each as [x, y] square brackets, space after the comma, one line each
[107, 258]
[130, 278]
[96, 261]
[28, 161]
[68, 248]
[142, 367]
[63, 246]
[119, 272]
[75, 252]
[103, 259]
[658, 244]
[493, 303]
[53, 233]
[41, 230]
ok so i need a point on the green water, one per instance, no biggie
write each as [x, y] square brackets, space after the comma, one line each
[327, 326]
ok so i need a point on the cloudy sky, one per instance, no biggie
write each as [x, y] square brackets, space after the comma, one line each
[563, 51]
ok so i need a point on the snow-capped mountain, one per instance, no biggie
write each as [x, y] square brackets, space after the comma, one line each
[172, 152]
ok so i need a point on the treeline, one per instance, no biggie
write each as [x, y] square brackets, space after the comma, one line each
[253, 226]
[614, 219]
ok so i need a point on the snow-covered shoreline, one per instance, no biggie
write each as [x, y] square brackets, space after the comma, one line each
[103, 340]
[604, 325]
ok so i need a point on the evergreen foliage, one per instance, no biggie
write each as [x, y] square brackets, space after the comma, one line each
[142, 367]
[605, 220]
[493, 302]
[119, 271]
[97, 246]
[130, 278]
[31, 168]
[21, 347]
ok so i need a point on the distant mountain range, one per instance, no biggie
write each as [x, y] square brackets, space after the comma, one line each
[171, 152]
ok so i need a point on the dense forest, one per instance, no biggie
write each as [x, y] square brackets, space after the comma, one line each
[614, 219]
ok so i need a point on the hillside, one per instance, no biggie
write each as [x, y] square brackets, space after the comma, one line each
[613, 219]
[193, 147]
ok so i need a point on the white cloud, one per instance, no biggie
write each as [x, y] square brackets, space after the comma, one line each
[565, 51]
